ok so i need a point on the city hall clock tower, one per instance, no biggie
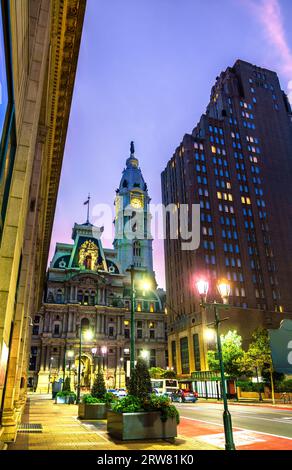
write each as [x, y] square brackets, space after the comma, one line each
[133, 240]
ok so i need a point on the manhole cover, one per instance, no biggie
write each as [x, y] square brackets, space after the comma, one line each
[30, 427]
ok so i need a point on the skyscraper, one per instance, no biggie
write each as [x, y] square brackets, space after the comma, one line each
[237, 165]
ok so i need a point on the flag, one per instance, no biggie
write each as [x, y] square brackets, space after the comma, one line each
[86, 202]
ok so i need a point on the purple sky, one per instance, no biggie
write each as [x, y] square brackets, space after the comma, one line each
[145, 72]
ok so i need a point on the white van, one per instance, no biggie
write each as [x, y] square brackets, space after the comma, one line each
[164, 386]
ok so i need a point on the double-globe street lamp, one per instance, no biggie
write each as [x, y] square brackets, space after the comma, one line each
[88, 335]
[224, 291]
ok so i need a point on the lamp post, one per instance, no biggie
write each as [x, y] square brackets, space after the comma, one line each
[145, 286]
[224, 291]
[70, 355]
[103, 352]
[50, 371]
[121, 363]
[88, 335]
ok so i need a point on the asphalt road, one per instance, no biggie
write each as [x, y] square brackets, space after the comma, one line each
[253, 418]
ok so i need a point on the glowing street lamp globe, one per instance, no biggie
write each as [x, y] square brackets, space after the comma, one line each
[202, 287]
[209, 335]
[145, 354]
[88, 335]
[103, 350]
[224, 290]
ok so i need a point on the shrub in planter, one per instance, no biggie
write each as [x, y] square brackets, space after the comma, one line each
[66, 397]
[95, 404]
[141, 414]
[98, 389]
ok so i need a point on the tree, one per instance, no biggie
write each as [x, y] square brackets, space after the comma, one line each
[156, 372]
[232, 354]
[66, 385]
[258, 357]
[140, 382]
[98, 389]
[169, 374]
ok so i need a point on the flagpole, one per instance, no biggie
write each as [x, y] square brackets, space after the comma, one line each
[88, 209]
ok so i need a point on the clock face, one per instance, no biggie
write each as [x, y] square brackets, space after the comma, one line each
[136, 202]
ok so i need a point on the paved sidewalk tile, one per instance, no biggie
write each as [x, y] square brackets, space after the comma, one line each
[61, 430]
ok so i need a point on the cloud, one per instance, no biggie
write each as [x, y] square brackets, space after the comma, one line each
[269, 14]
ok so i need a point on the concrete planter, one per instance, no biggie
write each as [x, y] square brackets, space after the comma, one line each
[141, 425]
[69, 400]
[92, 411]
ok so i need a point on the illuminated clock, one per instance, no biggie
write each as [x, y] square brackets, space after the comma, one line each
[136, 203]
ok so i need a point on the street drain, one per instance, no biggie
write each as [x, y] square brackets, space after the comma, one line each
[30, 427]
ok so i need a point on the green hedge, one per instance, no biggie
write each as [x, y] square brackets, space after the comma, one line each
[247, 386]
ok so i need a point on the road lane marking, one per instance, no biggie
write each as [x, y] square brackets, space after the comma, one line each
[237, 427]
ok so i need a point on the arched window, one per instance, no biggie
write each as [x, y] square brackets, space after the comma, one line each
[84, 324]
[92, 298]
[80, 296]
[59, 296]
[86, 297]
[136, 248]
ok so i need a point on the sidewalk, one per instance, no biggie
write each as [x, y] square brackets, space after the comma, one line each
[61, 430]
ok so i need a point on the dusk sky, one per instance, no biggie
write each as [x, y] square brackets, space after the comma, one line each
[145, 72]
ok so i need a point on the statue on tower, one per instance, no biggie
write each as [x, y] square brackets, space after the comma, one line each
[132, 148]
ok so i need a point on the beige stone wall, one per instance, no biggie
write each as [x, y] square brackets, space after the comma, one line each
[39, 34]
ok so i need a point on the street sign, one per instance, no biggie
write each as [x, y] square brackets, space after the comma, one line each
[281, 347]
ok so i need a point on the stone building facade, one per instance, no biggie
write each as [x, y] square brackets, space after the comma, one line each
[88, 288]
[39, 42]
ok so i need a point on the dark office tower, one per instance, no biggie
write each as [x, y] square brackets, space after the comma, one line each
[237, 164]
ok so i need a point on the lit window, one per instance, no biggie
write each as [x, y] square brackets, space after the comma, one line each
[230, 198]
[243, 199]
[213, 149]
[248, 200]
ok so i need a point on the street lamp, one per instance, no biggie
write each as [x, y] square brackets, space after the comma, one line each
[88, 335]
[224, 290]
[70, 355]
[121, 364]
[103, 350]
[145, 286]
[50, 371]
[145, 354]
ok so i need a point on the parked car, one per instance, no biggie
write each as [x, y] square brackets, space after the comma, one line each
[119, 392]
[112, 390]
[185, 395]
